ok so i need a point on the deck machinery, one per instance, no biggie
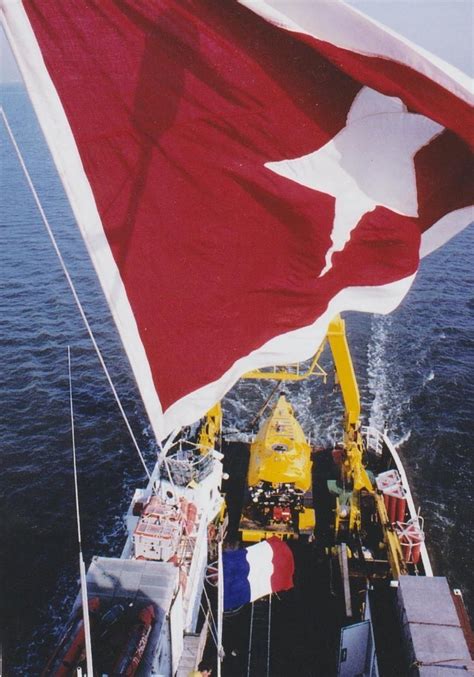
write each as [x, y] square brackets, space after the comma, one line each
[354, 505]
[279, 497]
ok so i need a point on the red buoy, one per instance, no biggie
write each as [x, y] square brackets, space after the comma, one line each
[411, 537]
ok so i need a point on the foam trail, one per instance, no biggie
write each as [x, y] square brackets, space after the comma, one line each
[403, 439]
[378, 378]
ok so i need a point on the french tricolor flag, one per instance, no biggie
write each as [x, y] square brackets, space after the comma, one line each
[256, 571]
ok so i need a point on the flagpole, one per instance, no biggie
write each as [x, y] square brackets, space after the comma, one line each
[220, 605]
[269, 633]
[250, 642]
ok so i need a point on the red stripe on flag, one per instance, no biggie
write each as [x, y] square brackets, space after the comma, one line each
[419, 92]
[283, 565]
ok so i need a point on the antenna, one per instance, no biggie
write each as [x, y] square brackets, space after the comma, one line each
[82, 568]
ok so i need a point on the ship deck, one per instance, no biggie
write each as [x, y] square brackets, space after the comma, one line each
[298, 631]
[303, 621]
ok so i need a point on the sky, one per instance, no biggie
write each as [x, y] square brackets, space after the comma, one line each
[8, 70]
[444, 27]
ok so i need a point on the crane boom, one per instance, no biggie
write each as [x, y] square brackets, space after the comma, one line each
[352, 469]
[336, 336]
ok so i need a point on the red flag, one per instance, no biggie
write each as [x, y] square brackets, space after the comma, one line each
[241, 176]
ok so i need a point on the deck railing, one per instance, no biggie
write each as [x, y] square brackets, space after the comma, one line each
[374, 439]
[186, 465]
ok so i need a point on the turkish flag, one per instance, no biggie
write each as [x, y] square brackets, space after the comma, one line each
[241, 175]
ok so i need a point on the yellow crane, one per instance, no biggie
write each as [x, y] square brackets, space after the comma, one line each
[353, 471]
[210, 432]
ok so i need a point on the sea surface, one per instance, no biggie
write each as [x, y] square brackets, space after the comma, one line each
[415, 370]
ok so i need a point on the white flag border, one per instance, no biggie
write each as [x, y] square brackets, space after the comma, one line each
[346, 27]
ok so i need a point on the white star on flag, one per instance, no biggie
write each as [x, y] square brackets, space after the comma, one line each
[369, 163]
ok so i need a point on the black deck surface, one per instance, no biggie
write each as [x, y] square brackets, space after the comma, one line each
[304, 635]
[304, 621]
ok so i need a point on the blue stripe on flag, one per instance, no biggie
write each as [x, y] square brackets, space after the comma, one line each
[236, 578]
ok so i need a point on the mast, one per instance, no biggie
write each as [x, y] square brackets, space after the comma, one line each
[220, 606]
[82, 568]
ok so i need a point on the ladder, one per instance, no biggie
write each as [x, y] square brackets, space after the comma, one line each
[258, 663]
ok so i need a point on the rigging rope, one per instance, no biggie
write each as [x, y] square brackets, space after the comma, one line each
[74, 293]
[211, 628]
[212, 623]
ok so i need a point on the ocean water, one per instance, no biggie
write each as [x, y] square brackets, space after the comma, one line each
[415, 370]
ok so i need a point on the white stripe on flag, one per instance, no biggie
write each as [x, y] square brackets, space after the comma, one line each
[260, 558]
